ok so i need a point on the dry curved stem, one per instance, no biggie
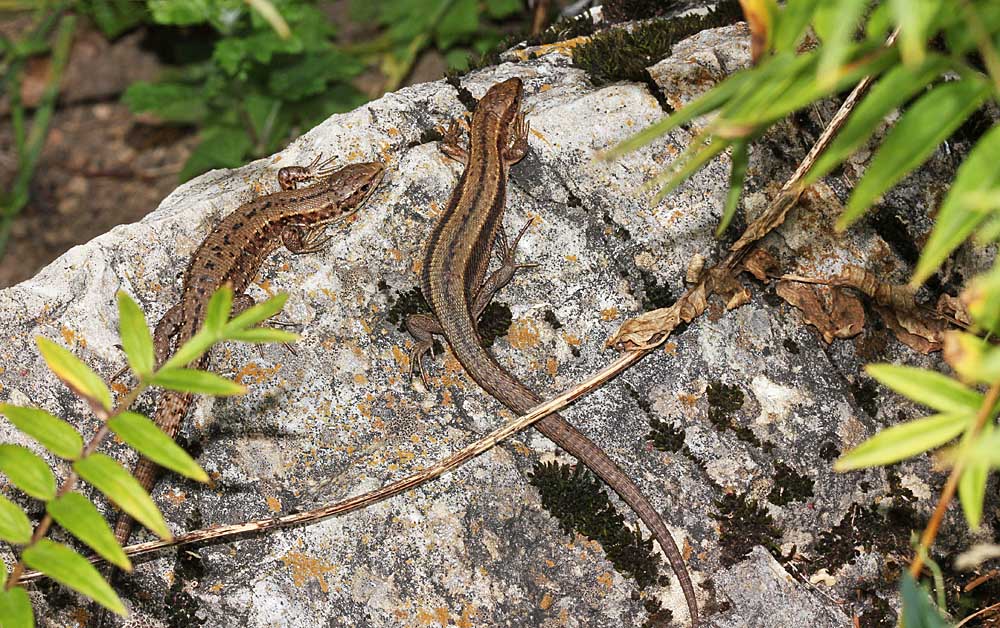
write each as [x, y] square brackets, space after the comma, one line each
[948, 492]
[219, 533]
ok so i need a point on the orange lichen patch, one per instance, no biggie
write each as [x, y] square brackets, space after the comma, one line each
[396, 254]
[365, 326]
[392, 132]
[365, 409]
[551, 366]
[687, 550]
[446, 398]
[401, 357]
[561, 47]
[81, 616]
[378, 423]
[68, 335]
[255, 373]
[571, 340]
[118, 387]
[360, 379]
[539, 135]
[546, 602]
[418, 265]
[670, 348]
[175, 496]
[609, 314]
[688, 399]
[405, 455]
[522, 334]
[330, 294]
[545, 88]
[265, 285]
[605, 579]
[414, 438]
[215, 588]
[468, 612]
[572, 259]
[273, 503]
[438, 615]
[306, 567]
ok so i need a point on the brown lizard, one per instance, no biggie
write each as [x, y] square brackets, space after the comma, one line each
[455, 285]
[233, 252]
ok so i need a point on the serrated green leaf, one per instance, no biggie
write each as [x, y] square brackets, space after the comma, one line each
[78, 516]
[956, 220]
[191, 350]
[136, 339]
[172, 102]
[257, 313]
[15, 609]
[14, 524]
[903, 441]
[195, 381]
[918, 609]
[262, 334]
[69, 568]
[146, 438]
[77, 375]
[930, 120]
[219, 307]
[50, 431]
[123, 490]
[929, 388]
[892, 90]
[737, 177]
[27, 472]
[220, 147]
[790, 24]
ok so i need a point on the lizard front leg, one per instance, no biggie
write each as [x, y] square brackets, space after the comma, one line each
[451, 144]
[518, 146]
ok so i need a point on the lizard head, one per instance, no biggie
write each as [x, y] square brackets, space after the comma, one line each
[353, 184]
[503, 100]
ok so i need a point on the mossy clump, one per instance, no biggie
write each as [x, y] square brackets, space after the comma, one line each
[744, 524]
[869, 528]
[724, 401]
[576, 499]
[621, 54]
[494, 322]
[615, 11]
[182, 607]
[866, 395]
[406, 303]
[550, 317]
[657, 295]
[789, 486]
[665, 436]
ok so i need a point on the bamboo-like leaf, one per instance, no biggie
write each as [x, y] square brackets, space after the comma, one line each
[146, 438]
[929, 388]
[903, 441]
[972, 491]
[53, 433]
[260, 335]
[27, 472]
[258, 313]
[919, 131]
[836, 22]
[982, 298]
[123, 490]
[791, 23]
[69, 568]
[703, 155]
[708, 102]
[897, 86]
[78, 516]
[195, 381]
[136, 339]
[15, 609]
[737, 176]
[191, 350]
[77, 375]
[918, 609]
[218, 309]
[915, 18]
[956, 220]
[14, 524]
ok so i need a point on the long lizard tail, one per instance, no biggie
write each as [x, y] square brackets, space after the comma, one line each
[170, 412]
[507, 389]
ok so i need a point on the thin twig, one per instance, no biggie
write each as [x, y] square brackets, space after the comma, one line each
[982, 611]
[457, 459]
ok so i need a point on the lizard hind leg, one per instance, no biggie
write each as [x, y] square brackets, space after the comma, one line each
[505, 273]
[300, 240]
[242, 303]
[422, 327]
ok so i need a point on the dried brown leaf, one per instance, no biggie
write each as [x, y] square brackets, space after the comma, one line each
[833, 312]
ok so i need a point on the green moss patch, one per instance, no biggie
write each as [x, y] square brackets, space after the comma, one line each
[744, 524]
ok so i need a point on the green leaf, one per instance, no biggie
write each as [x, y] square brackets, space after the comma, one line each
[972, 491]
[982, 298]
[74, 373]
[146, 438]
[791, 22]
[27, 472]
[498, 9]
[836, 22]
[219, 307]
[134, 332]
[311, 74]
[263, 112]
[69, 568]
[974, 359]
[220, 147]
[737, 176]
[262, 334]
[689, 163]
[914, 18]
[14, 525]
[191, 350]
[929, 388]
[173, 102]
[258, 313]
[114, 17]
[15, 609]
[123, 490]
[918, 610]
[903, 441]
[195, 381]
[892, 90]
[53, 433]
[181, 12]
[458, 23]
[930, 120]
[956, 220]
[78, 516]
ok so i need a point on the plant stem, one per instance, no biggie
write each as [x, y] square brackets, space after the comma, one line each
[948, 492]
[70, 482]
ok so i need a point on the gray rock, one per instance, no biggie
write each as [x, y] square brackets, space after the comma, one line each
[763, 403]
